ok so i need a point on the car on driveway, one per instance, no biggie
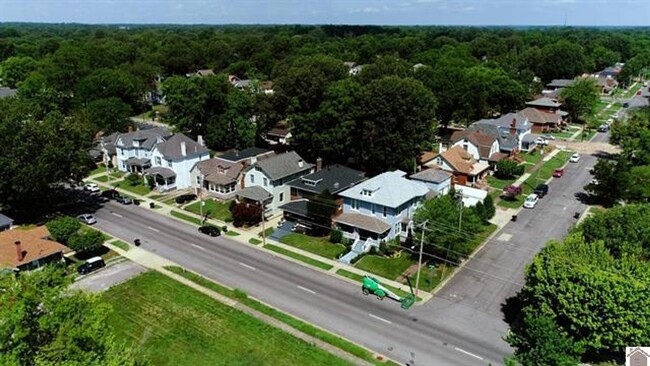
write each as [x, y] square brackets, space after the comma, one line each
[210, 230]
[575, 158]
[558, 172]
[124, 200]
[549, 137]
[91, 187]
[541, 141]
[531, 200]
[91, 265]
[87, 219]
[603, 128]
[184, 198]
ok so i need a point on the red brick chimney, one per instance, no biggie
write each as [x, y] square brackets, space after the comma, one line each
[19, 251]
[513, 127]
[319, 164]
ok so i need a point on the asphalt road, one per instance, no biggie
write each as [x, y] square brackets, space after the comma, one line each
[463, 325]
[106, 277]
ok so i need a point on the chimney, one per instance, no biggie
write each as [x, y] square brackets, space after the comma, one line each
[513, 127]
[199, 139]
[19, 251]
[319, 164]
[183, 148]
[130, 128]
[300, 163]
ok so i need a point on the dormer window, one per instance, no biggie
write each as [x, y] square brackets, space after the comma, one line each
[366, 192]
[310, 182]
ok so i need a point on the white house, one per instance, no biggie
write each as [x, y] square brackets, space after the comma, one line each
[471, 196]
[437, 180]
[133, 149]
[173, 159]
[272, 174]
[481, 146]
[511, 124]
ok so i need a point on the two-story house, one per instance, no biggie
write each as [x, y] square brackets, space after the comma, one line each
[133, 149]
[173, 159]
[461, 164]
[272, 175]
[380, 208]
[478, 144]
[512, 124]
[315, 197]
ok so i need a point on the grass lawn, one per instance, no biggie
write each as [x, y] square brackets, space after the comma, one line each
[389, 268]
[499, 184]
[217, 210]
[254, 241]
[185, 217]
[429, 280]
[532, 158]
[140, 189]
[157, 197]
[516, 203]
[232, 233]
[320, 246]
[173, 324]
[563, 135]
[268, 232]
[170, 201]
[122, 245]
[102, 179]
[100, 169]
[299, 257]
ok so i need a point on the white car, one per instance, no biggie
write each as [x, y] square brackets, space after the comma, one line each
[531, 200]
[91, 187]
[541, 141]
[87, 219]
[574, 158]
[549, 137]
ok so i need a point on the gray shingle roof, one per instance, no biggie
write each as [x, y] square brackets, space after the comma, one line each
[389, 189]
[7, 92]
[544, 102]
[5, 220]
[148, 138]
[507, 141]
[163, 172]
[560, 83]
[239, 155]
[369, 223]
[255, 193]
[283, 165]
[334, 178]
[172, 148]
[219, 171]
[432, 175]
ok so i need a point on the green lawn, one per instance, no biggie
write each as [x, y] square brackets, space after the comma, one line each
[563, 135]
[299, 257]
[267, 232]
[232, 233]
[429, 280]
[122, 245]
[532, 158]
[499, 184]
[216, 210]
[173, 324]
[389, 268]
[320, 246]
[254, 241]
[100, 169]
[102, 179]
[140, 189]
[170, 201]
[185, 217]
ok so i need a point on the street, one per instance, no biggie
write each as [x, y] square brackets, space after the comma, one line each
[463, 324]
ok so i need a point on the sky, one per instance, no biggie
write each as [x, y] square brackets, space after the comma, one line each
[380, 12]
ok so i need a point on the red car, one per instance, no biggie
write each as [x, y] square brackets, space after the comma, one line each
[558, 172]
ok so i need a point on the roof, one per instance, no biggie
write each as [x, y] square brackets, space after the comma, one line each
[108, 142]
[534, 115]
[163, 172]
[137, 161]
[33, 242]
[560, 83]
[480, 139]
[279, 132]
[283, 165]
[5, 220]
[529, 137]
[247, 153]
[255, 193]
[205, 72]
[426, 156]
[333, 178]
[219, 171]
[432, 175]
[171, 148]
[297, 207]
[364, 222]
[507, 141]
[147, 137]
[7, 92]
[389, 189]
[544, 102]
[506, 120]
[459, 159]
[497, 156]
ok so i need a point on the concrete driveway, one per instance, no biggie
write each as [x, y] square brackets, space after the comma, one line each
[108, 276]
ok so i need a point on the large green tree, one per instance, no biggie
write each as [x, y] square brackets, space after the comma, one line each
[237, 126]
[15, 69]
[581, 99]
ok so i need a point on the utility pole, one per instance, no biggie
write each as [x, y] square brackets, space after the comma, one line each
[263, 230]
[417, 278]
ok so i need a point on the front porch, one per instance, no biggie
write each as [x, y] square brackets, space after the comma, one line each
[164, 178]
[361, 227]
[137, 165]
[257, 196]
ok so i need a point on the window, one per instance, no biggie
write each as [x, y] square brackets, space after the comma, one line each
[385, 210]
[281, 196]
[198, 180]
[397, 228]
[266, 181]
[252, 179]
[373, 208]
[158, 161]
[169, 163]
[355, 205]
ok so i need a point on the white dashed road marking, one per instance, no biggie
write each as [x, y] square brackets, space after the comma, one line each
[306, 289]
[116, 214]
[468, 353]
[153, 229]
[197, 246]
[247, 266]
[381, 319]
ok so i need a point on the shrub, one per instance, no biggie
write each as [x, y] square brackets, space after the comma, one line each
[88, 241]
[63, 228]
[151, 182]
[488, 206]
[508, 169]
[511, 192]
[336, 236]
[133, 179]
[246, 214]
[224, 229]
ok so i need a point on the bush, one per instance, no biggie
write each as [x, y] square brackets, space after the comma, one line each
[246, 214]
[508, 169]
[224, 229]
[63, 228]
[88, 241]
[511, 192]
[488, 206]
[336, 236]
[151, 182]
[133, 179]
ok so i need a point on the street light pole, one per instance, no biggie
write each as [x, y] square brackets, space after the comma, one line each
[417, 278]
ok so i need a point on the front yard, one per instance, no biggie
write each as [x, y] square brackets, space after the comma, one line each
[140, 189]
[319, 246]
[390, 268]
[213, 209]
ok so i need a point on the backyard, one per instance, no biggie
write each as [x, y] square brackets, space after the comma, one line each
[173, 324]
[320, 246]
[214, 209]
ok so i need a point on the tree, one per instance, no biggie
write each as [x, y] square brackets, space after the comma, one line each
[397, 123]
[236, 127]
[15, 69]
[561, 60]
[336, 236]
[109, 114]
[611, 180]
[385, 66]
[508, 169]
[581, 99]
[490, 209]
[86, 241]
[246, 214]
[44, 323]
[109, 83]
[63, 228]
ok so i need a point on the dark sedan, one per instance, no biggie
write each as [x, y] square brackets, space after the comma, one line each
[210, 230]
[184, 198]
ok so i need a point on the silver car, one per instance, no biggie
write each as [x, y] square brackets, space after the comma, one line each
[87, 219]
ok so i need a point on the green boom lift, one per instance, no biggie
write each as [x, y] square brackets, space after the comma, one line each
[372, 286]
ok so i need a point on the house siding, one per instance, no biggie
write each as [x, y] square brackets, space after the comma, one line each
[277, 188]
[394, 215]
[181, 167]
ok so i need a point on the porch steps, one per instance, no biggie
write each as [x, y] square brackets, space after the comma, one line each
[358, 247]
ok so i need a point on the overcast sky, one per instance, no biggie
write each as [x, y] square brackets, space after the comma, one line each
[390, 12]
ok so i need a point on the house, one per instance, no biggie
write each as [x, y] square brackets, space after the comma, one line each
[205, 72]
[238, 83]
[557, 84]
[479, 144]
[7, 92]
[508, 143]
[173, 159]
[514, 124]
[107, 148]
[437, 180]
[465, 169]
[542, 121]
[219, 178]
[267, 87]
[353, 68]
[5, 222]
[379, 208]
[278, 135]
[133, 149]
[272, 175]
[546, 104]
[24, 250]
[606, 84]
[331, 180]
[247, 156]
[471, 196]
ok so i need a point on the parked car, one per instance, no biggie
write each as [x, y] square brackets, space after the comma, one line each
[603, 128]
[549, 137]
[574, 158]
[91, 187]
[210, 230]
[541, 190]
[626, 105]
[184, 198]
[110, 193]
[87, 219]
[541, 141]
[124, 200]
[91, 265]
[558, 172]
[531, 200]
